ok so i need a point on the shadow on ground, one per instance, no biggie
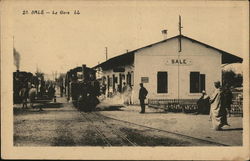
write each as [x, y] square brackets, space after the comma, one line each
[233, 129]
[50, 105]
[110, 108]
[36, 108]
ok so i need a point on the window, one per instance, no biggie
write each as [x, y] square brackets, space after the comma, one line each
[197, 82]
[132, 78]
[129, 78]
[110, 82]
[162, 82]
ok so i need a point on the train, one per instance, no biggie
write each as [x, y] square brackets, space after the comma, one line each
[83, 88]
[21, 79]
[24, 79]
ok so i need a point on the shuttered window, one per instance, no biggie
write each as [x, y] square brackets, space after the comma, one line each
[162, 82]
[202, 82]
[197, 82]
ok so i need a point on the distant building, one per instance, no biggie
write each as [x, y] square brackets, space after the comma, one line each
[167, 72]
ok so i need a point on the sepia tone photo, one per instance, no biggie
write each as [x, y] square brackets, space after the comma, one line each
[111, 80]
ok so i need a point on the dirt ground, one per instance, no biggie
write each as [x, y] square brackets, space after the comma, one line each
[61, 124]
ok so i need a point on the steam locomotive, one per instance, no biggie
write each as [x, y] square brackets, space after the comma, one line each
[23, 79]
[83, 88]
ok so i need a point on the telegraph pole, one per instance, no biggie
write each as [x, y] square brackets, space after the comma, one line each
[180, 49]
[180, 27]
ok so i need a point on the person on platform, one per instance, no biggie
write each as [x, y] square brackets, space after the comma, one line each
[218, 112]
[203, 104]
[61, 90]
[142, 96]
[32, 96]
[227, 98]
[52, 92]
[24, 94]
[124, 93]
[127, 95]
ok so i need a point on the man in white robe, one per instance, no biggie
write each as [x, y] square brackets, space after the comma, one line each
[218, 112]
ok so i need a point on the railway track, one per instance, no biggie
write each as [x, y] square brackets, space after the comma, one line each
[89, 117]
[165, 131]
[101, 118]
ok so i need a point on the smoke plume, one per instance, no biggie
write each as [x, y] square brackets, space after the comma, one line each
[16, 59]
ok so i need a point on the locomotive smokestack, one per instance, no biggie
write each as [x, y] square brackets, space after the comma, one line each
[83, 72]
[164, 33]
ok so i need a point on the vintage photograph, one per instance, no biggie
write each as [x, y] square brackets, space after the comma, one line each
[127, 74]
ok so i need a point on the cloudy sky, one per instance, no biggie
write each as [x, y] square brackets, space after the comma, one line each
[61, 42]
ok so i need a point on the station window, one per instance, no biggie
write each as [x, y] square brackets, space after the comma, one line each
[197, 82]
[110, 82]
[129, 78]
[162, 82]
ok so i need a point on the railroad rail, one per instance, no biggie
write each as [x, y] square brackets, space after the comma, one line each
[165, 131]
[103, 137]
[101, 134]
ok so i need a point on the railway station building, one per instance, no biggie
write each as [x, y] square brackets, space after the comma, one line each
[175, 68]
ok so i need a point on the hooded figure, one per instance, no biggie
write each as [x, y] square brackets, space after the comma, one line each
[218, 113]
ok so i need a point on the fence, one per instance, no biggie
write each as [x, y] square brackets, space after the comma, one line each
[174, 105]
[237, 104]
[190, 105]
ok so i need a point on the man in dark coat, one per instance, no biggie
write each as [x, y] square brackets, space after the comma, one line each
[24, 94]
[142, 96]
[203, 104]
[227, 98]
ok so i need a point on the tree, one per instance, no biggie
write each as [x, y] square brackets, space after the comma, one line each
[231, 78]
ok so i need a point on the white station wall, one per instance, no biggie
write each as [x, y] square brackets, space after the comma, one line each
[149, 61]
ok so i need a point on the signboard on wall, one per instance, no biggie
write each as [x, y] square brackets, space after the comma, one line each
[181, 61]
[144, 79]
[119, 69]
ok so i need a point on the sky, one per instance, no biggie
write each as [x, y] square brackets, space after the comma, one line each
[57, 43]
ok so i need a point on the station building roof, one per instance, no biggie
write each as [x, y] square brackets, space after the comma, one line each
[128, 58]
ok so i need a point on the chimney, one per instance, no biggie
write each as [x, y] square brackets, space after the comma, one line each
[164, 33]
[84, 72]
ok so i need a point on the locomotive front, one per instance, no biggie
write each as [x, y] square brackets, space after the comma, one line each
[85, 88]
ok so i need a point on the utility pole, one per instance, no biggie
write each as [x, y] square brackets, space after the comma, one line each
[180, 27]
[180, 49]
[106, 52]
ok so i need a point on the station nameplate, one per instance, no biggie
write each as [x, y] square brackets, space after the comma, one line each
[178, 61]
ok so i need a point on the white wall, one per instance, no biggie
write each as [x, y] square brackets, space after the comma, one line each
[149, 61]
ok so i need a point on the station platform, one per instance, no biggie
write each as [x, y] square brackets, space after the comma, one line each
[197, 126]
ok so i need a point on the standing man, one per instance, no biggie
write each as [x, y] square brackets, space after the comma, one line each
[227, 98]
[32, 96]
[218, 113]
[142, 96]
[24, 92]
[61, 90]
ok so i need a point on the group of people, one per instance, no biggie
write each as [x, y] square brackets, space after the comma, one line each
[218, 105]
[28, 94]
